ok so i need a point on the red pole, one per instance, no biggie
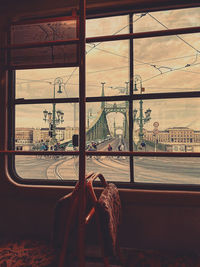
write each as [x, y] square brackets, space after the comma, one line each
[82, 112]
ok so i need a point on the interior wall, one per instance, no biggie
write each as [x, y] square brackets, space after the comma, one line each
[150, 219]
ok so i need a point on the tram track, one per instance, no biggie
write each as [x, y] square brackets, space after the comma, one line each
[52, 171]
[63, 165]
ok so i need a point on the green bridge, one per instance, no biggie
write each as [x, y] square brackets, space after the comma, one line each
[99, 128]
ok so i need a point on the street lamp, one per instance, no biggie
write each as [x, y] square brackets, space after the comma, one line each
[89, 116]
[56, 116]
[141, 119]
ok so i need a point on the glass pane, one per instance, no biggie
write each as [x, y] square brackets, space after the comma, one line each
[40, 32]
[32, 57]
[169, 19]
[113, 168]
[107, 26]
[42, 83]
[47, 167]
[107, 68]
[42, 125]
[167, 64]
[167, 170]
[107, 126]
[43, 31]
[167, 125]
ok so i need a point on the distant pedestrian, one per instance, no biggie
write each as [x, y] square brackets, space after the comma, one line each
[119, 147]
[43, 147]
[91, 148]
[94, 145]
[109, 147]
[122, 146]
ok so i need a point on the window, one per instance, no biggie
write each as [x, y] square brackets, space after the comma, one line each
[142, 96]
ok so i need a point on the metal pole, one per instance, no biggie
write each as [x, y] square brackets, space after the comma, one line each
[141, 122]
[102, 94]
[54, 117]
[131, 74]
[82, 133]
[74, 116]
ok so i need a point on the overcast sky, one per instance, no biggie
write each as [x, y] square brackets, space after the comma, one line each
[165, 64]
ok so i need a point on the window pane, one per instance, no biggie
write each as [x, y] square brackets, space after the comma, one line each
[41, 83]
[167, 170]
[107, 26]
[43, 31]
[169, 19]
[35, 32]
[49, 124]
[107, 63]
[107, 126]
[167, 64]
[47, 167]
[113, 168]
[167, 125]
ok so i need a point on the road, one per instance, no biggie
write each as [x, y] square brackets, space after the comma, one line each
[148, 170]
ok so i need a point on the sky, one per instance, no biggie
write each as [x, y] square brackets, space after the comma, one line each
[163, 64]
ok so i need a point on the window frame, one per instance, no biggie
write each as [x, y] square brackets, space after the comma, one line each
[130, 98]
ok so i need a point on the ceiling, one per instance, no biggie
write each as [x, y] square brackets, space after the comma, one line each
[15, 8]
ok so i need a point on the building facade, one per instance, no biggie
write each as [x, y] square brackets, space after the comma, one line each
[176, 139]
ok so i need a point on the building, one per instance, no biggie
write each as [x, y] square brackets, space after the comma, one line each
[27, 137]
[176, 139]
[70, 131]
[23, 138]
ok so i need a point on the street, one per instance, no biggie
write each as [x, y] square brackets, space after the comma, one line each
[146, 169]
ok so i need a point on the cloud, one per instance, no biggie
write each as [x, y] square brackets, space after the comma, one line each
[160, 61]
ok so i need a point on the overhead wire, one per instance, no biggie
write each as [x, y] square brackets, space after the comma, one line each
[166, 67]
[159, 68]
[95, 45]
[176, 34]
[180, 68]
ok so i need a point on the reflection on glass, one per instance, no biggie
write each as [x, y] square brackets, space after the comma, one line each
[47, 167]
[45, 126]
[107, 126]
[162, 20]
[47, 83]
[107, 63]
[166, 170]
[173, 125]
[168, 63]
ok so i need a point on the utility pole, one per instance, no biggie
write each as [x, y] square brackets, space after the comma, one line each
[102, 94]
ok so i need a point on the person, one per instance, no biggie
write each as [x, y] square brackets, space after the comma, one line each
[119, 148]
[90, 148]
[94, 145]
[109, 147]
[42, 148]
[122, 146]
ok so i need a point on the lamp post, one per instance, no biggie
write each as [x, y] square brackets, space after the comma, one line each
[89, 116]
[141, 119]
[56, 116]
